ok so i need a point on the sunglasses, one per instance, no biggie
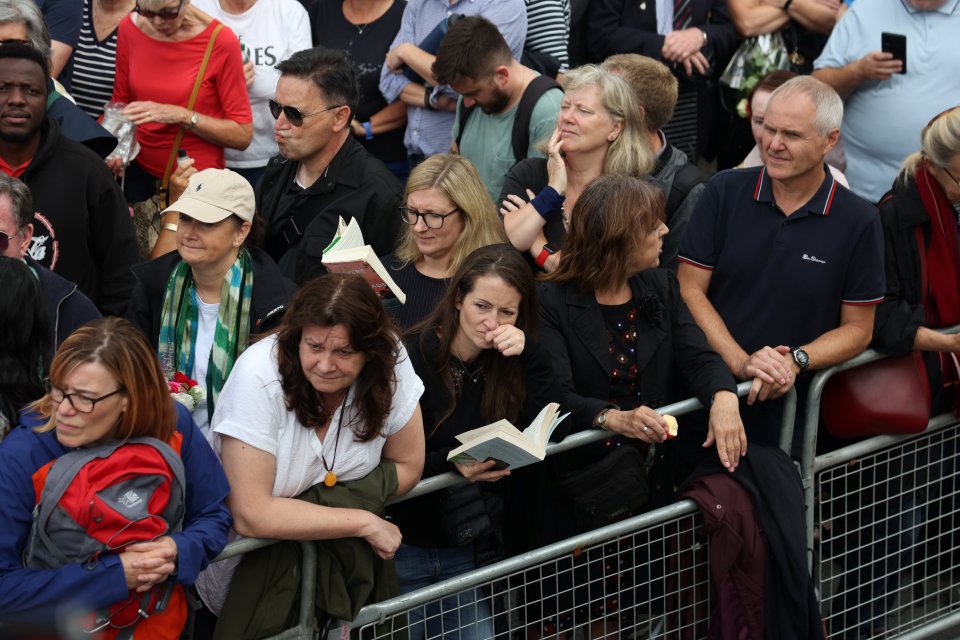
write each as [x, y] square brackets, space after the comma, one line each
[163, 14]
[25, 43]
[294, 115]
[4, 241]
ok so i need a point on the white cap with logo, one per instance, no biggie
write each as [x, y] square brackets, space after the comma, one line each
[213, 195]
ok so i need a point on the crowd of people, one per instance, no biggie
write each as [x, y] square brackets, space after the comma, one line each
[533, 175]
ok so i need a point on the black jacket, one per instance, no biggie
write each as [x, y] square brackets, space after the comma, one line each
[672, 355]
[271, 293]
[67, 306]
[82, 228]
[355, 185]
[901, 313]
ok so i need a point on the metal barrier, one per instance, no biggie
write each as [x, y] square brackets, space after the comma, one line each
[881, 519]
[647, 576]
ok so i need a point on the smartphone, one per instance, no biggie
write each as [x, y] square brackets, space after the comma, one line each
[896, 44]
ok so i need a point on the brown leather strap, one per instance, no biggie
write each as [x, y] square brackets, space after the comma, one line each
[172, 158]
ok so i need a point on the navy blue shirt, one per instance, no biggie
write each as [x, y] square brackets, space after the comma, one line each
[780, 280]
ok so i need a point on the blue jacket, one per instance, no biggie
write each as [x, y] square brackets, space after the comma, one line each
[35, 595]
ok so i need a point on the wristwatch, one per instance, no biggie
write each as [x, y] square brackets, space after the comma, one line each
[547, 251]
[194, 119]
[602, 418]
[800, 357]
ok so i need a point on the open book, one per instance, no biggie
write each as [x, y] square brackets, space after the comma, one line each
[347, 253]
[506, 444]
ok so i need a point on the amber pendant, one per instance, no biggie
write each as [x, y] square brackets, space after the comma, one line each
[330, 479]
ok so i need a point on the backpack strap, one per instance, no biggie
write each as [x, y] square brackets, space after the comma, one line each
[684, 180]
[520, 135]
[463, 113]
[521, 122]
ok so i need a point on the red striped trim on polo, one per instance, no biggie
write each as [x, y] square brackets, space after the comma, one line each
[694, 263]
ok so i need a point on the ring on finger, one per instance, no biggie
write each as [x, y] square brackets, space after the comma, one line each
[643, 428]
[509, 344]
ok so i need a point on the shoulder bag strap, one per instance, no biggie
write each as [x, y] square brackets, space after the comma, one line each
[164, 185]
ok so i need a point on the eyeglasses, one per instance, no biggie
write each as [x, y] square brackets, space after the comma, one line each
[25, 43]
[4, 241]
[163, 14]
[294, 115]
[947, 171]
[432, 220]
[80, 403]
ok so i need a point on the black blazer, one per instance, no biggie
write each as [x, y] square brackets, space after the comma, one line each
[672, 355]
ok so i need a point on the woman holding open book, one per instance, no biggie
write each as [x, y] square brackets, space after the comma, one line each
[447, 213]
[621, 339]
[480, 361]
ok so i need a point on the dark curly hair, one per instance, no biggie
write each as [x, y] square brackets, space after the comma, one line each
[347, 300]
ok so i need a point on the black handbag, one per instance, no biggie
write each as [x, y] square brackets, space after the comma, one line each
[610, 489]
[467, 514]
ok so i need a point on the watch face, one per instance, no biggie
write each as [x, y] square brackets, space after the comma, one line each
[801, 358]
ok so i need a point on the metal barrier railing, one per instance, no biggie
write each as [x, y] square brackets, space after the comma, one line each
[506, 586]
[873, 509]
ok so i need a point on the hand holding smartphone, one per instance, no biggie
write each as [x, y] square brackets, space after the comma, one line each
[895, 44]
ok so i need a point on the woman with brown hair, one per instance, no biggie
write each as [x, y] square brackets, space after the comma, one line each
[320, 402]
[479, 357]
[105, 386]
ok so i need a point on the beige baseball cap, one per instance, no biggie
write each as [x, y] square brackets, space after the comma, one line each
[213, 195]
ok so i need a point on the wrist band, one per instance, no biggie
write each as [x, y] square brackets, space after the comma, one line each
[368, 128]
[547, 202]
[427, 104]
[170, 227]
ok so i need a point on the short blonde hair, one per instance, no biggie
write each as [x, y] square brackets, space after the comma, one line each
[653, 84]
[456, 178]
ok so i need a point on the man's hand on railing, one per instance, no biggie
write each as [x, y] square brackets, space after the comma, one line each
[772, 372]
[726, 429]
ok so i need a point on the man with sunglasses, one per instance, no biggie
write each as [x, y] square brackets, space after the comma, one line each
[68, 307]
[322, 172]
[81, 224]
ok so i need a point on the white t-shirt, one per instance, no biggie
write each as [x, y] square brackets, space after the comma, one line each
[206, 327]
[270, 31]
[251, 408]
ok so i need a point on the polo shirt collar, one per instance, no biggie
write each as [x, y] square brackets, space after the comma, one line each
[948, 8]
[819, 204]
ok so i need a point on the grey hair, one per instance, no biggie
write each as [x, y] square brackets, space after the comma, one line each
[829, 105]
[939, 141]
[20, 197]
[26, 12]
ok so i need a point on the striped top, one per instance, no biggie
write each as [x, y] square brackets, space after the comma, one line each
[94, 66]
[548, 28]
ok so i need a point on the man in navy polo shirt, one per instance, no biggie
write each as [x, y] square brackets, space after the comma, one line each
[781, 266]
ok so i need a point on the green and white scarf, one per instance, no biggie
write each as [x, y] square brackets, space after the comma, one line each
[179, 319]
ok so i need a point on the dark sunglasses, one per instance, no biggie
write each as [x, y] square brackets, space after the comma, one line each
[163, 14]
[25, 43]
[4, 241]
[294, 115]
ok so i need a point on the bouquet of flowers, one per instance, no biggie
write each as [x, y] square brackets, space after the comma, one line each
[186, 391]
[755, 58]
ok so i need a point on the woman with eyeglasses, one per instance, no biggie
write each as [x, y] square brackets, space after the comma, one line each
[201, 304]
[160, 50]
[105, 387]
[919, 216]
[447, 214]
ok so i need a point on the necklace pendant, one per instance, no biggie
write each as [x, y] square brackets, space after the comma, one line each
[330, 479]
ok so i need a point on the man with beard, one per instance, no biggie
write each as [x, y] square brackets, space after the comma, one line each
[81, 224]
[517, 107]
[322, 172]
